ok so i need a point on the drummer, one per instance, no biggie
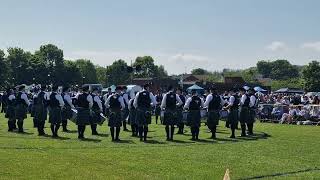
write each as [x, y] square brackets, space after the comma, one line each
[66, 111]
[96, 110]
[132, 118]
[180, 123]
[169, 104]
[194, 105]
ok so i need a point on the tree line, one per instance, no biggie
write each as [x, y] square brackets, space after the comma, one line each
[47, 65]
[281, 73]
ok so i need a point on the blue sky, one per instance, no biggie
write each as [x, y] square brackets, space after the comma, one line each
[179, 34]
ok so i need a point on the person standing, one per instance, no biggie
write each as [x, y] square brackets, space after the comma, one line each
[22, 105]
[115, 103]
[244, 111]
[56, 104]
[96, 110]
[105, 97]
[214, 103]
[157, 113]
[4, 102]
[180, 123]
[194, 105]
[10, 111]
[143, 104]
[66, 111]
[125, 111]
[41, 109]
[252, 110]
[85, 102]
[132, 118]
[169, 104]
[233, 106]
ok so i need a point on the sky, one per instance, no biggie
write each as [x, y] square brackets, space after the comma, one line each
[179, 34]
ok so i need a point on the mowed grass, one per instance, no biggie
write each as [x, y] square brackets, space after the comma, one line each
[276, 152]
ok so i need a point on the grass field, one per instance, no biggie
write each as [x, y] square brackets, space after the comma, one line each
[276, 152]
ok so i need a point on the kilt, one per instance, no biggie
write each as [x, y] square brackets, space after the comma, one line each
[157, 110]
[125, 114]
[213, 118]
[66, 113]
[194, 118]
[170, 117]
[179, 116]
[143, 116]
[252, 116]
[132, 117]
[10, 112]
[40, 113]
[244, 115]
[83, 116]
[21, 111]
[115, 118]
[55, 115]
[233, 117]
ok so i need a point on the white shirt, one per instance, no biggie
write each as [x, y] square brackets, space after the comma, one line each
[209, 99]
[253, 100]
[120, 99]
[243, 99]
[98, 101]
[152, 98]
[11, 97]
[164, 100]
[25, 98]
[130, 102]
[186, 106]
[68, 99]
[126, 98]
[231, 100]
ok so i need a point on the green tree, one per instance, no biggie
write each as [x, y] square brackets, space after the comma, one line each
[288, 83]
[117, 73]
[311, 75]
[101, 75]
[18, 61]
[3, 70]
[282, 70]
[147, 68]
[250, 74]
[264, 68]
[199, 71]
[71, 73]
[88, 71]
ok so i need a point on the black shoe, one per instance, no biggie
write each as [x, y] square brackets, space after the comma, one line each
[243, 135]
[126, 129]
[65, 130]
[213, 137]
[232, 136]
[95, 133]
[10, 130]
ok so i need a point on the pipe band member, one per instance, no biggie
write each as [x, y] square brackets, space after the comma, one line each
[125, 111]
[194, 104]
[96, 110]
[10, 111]
[233, 116]
[132, 118]
[85, 103]
[253, 105]
[22, 104]
[66, 111]
[169, 104]
[56, 104]
[41, 109]
[143, 104]
[214, 103]
[115, 104]
[244, 111]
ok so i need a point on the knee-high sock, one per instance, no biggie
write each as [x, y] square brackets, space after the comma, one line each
[20, 125]
[243, 129]
[117, 133]
[172, 132]
[193, 132]
[52, 129]
[197, 132]
[112, 132]
[57, 126]
[233, 131]
[124, 125]
[145, 132]
[93, 128]
[167, 131]
[82, 130]
[141, 132]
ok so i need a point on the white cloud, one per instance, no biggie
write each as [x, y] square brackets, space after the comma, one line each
[277, 46]
[312, 45]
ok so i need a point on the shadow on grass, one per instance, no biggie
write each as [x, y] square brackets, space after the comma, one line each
[154, 142]
[71, 131]
[124, 142]
[182, 142]
[23, 133]
[102, 135]
[281, 174]
[91, 140]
